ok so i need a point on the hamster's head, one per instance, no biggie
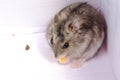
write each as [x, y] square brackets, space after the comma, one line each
[69, 37]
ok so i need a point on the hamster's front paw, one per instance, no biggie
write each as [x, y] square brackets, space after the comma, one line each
[78, 63]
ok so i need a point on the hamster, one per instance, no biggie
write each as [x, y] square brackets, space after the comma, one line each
[76, 33]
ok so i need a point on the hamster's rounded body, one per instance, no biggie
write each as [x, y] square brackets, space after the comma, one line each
[76, 32]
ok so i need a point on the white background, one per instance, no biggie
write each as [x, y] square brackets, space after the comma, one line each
[24, 18]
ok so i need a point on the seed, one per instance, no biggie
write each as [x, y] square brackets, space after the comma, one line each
[62, 60]
[27, 47]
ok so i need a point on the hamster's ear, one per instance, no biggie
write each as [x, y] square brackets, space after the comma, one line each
[56, 18]
[74, 26]
[60, 17]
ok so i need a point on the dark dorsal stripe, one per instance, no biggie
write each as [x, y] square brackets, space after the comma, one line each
[60, 31]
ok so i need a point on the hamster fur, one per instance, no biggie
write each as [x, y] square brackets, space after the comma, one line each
[76, 32]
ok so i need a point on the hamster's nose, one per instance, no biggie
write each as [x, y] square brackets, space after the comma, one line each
[55, 55]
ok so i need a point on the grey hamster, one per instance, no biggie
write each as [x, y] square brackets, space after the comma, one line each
[76, 32]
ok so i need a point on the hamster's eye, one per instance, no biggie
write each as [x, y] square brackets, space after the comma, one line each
[51, 41]
[66, 45]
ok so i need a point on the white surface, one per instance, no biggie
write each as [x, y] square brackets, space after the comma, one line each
[18, 64]
[24, 17]
[112, 14]
[31, 13]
